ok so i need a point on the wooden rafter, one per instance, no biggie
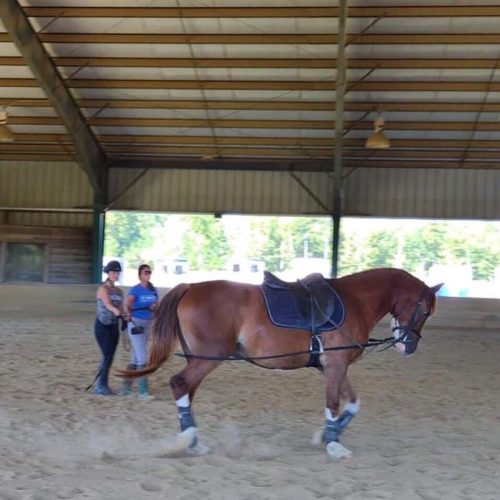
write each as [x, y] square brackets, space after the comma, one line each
[318, 165]
[319, 62]
[258, 124]
[255, 151]
[268, 39]
[315, 165]
[373, 86]
[397, 144]
[265, 12]
[263, 105]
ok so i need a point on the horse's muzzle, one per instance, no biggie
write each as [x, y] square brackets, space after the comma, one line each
[406, 339]
[411, 344]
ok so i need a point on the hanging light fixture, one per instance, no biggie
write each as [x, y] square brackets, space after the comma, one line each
[378, 139]
[5, 134]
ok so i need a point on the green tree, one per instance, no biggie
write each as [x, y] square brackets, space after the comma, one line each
[318, 233]
[271, 249]
[347, 261]
[352, 250]
[260, 228]
[381, 249]
[128, 234]
[426, 246]
[484, 254]
[205, 245]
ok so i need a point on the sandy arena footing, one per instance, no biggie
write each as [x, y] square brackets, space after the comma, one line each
[429, 426]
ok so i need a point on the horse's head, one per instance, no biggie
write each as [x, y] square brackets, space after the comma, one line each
[409, 315]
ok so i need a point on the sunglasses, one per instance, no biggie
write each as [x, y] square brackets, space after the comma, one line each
[147, 272]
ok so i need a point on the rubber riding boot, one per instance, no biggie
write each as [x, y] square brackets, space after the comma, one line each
[126, 389]
[101, 386]
[103, 390]
[143, 386]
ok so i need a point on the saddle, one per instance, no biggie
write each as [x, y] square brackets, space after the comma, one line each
[307, 304]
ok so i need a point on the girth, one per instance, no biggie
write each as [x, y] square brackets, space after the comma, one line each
[308, 304]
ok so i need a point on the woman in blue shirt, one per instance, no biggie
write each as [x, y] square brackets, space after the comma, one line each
[141, 303]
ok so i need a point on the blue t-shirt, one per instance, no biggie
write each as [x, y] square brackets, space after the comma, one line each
[143, 299]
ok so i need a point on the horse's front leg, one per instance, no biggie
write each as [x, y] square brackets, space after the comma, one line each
[335, 373]
[351, 407]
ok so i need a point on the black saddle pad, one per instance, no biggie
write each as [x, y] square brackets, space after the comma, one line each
[284, 310]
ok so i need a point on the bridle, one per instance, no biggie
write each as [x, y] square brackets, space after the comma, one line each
[419, 314]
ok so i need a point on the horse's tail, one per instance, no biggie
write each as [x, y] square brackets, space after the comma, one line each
[164, 333]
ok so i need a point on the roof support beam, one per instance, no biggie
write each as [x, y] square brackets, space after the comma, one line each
[265, 62]
[288, 141]
[267, 85]
[465, 126]
[265, 12]
[89, 153]
[145, 162]
[267, 39]
[275, 165]
[257, 153]
[263, 105]
[308, 165]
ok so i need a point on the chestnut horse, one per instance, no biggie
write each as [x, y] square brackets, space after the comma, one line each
[216, 320]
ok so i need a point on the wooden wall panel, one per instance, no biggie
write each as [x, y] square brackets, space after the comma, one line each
[68, 251]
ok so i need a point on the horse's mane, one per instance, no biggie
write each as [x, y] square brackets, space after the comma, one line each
[391, 273]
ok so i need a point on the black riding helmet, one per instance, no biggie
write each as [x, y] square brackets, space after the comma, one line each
[113, 265]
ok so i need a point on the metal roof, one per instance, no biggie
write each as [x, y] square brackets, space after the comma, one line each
[214, 84]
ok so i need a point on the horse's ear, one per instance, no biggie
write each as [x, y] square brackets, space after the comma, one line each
[435, 288]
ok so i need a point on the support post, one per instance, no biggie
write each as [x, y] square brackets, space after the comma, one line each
[98, 226]
[339, 132]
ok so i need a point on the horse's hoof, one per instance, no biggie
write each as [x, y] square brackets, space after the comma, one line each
[336, 450]
[180, 444]
[198, 449]
[317, 438]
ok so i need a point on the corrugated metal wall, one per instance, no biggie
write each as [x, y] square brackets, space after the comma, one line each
[428, 193]
[44, 185]
[222, 191]
[424, 193]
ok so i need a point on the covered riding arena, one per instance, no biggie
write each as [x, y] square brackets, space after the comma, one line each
[217, 107]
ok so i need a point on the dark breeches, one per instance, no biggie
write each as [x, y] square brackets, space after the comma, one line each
[107, 337]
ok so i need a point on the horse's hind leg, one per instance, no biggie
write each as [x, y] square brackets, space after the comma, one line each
[184, 385]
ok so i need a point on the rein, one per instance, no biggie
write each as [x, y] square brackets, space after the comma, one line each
[388, 342]
[370, 343]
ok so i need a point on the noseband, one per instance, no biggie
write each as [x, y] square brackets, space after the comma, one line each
[418, 314]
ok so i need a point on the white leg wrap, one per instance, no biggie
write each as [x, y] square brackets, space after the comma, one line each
[329, 415]
[353, 407]
[183, 402]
